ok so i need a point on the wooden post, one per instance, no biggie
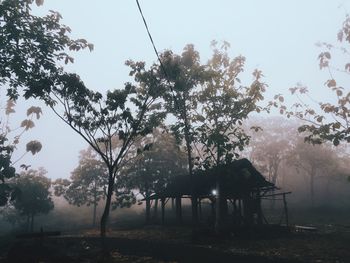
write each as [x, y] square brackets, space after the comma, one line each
[240, 211]
[200, 208]
[258, 208]
[178, 209]
[155, 209]
[163, 209]
[285, 209]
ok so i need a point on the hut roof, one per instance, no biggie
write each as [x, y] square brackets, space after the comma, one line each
[237, 179]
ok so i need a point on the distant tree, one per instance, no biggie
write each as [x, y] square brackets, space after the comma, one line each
[9, 140]
[271, 144]
[87, 184]
[34, 195]
[314, 161]
[151, 170]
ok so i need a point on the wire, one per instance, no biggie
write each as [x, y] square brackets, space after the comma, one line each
[157, 54]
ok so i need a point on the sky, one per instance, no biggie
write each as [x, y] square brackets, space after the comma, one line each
[277, 37]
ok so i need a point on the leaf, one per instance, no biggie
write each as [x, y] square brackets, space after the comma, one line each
[27, 124]
[34, 110]
[39, 2]
[336, 142]
[347, 67]
[336, 125]
[33, 147]
[10, 107]
[331, 83]
[327, 55]
[91, 46]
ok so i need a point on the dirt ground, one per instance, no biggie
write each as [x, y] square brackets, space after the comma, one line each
[177, 244]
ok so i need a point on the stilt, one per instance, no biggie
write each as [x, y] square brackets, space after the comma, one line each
[285, 209]
[178, 209]
[163, 209]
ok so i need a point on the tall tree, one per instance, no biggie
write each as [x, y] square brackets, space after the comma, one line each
[34, 195]
[31, 48]
[182, 74]
[125, 115]
[225, 103]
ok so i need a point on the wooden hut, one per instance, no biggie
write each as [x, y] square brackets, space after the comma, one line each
[237, 183]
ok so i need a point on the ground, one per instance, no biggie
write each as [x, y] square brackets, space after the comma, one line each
[329, 244]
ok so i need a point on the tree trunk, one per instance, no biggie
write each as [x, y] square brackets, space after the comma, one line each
[32, 223]
[218, 218]
[178, 210]
[105, 214]
[94, 215]
[95, 206]
[194, 200]
[163, 210]
[148, 208]
[312, 191]
[28, 223]
[155, 209]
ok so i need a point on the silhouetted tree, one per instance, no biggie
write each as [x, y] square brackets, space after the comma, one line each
[152, 169]
[183, 73]
[313, 160]
[87, 184]
[31, 48]
[9, 139]
[34, 195]
[110, 125]
[224, 105]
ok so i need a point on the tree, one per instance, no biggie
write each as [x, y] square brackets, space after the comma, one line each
[87, 184]
[271, 144]
[224, 105]
[8, 143]
[31, 49]
[37, 45]
[314, 160]
[34, 195]
[152, 170]
[331, 121]
[111, 124]
[182, 75]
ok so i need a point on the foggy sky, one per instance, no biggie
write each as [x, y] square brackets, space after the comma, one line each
[275, 36]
